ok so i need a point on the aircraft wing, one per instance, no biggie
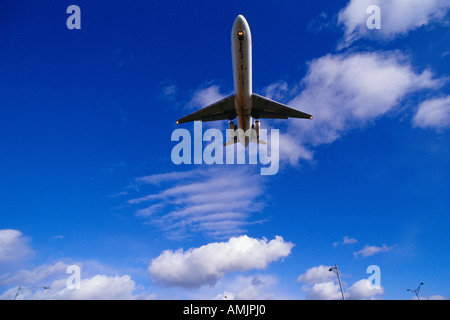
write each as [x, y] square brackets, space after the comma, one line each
[269, 109]
[220, 110]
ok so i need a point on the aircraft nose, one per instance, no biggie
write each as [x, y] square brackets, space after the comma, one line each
[240, 21]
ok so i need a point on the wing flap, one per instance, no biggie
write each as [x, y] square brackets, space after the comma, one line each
[265, 108]
[220, 110]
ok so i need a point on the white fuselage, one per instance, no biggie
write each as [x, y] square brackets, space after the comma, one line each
[241, 51]
[243, 104]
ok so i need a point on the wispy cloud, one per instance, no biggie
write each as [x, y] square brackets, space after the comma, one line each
[368, 251]
[205, 96]
[169, 92]
[345, 240]
[218, 203]
[170, 176]
[40, 274]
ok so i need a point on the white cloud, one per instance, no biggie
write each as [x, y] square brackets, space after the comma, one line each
[38, 276]
[292, 150]
[433, 113]
[98, 287]
[218, 203]
[258, 287]
[349, 91]
[321, 284]
[324, 291]
[398, 17]
[345, 240]
[169, 177]
[14, 247]
[149, 211]
[207, 264]
[276, 90]
[322, 22]
[169, 92]
[433, 297]
[316, 275]
[55, 276]
[363, 289]
[348, 240]
[205, 96]
[368, 251]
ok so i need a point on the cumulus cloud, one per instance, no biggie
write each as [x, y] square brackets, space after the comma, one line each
[207, 264]
[321, 284]
[344, 92]
[363, 289]
[14, 246]
[324, 291]
[368, 251]
[218, 203]
[349, 91]
[398, 17]
[433, 297]
[291, 149]
[316, 275]
[98, 287]
[55, 277]
[433, 113]
[258, 287]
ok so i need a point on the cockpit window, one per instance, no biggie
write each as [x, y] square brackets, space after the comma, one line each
[241, 35]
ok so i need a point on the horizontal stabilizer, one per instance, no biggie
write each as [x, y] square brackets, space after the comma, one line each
[230, 142]
[258, 141]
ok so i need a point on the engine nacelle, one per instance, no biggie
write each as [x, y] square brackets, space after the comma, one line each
[257, 125]
[232, 128]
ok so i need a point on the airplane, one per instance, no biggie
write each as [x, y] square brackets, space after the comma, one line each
[243, 104]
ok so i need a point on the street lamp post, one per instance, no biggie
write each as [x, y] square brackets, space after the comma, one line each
[28, 288]
[416, 292]
[336, 270]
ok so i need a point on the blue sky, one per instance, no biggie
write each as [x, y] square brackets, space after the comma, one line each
[86, 119]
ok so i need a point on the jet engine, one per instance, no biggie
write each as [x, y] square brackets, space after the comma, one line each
[257, 124]
[232, 128]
